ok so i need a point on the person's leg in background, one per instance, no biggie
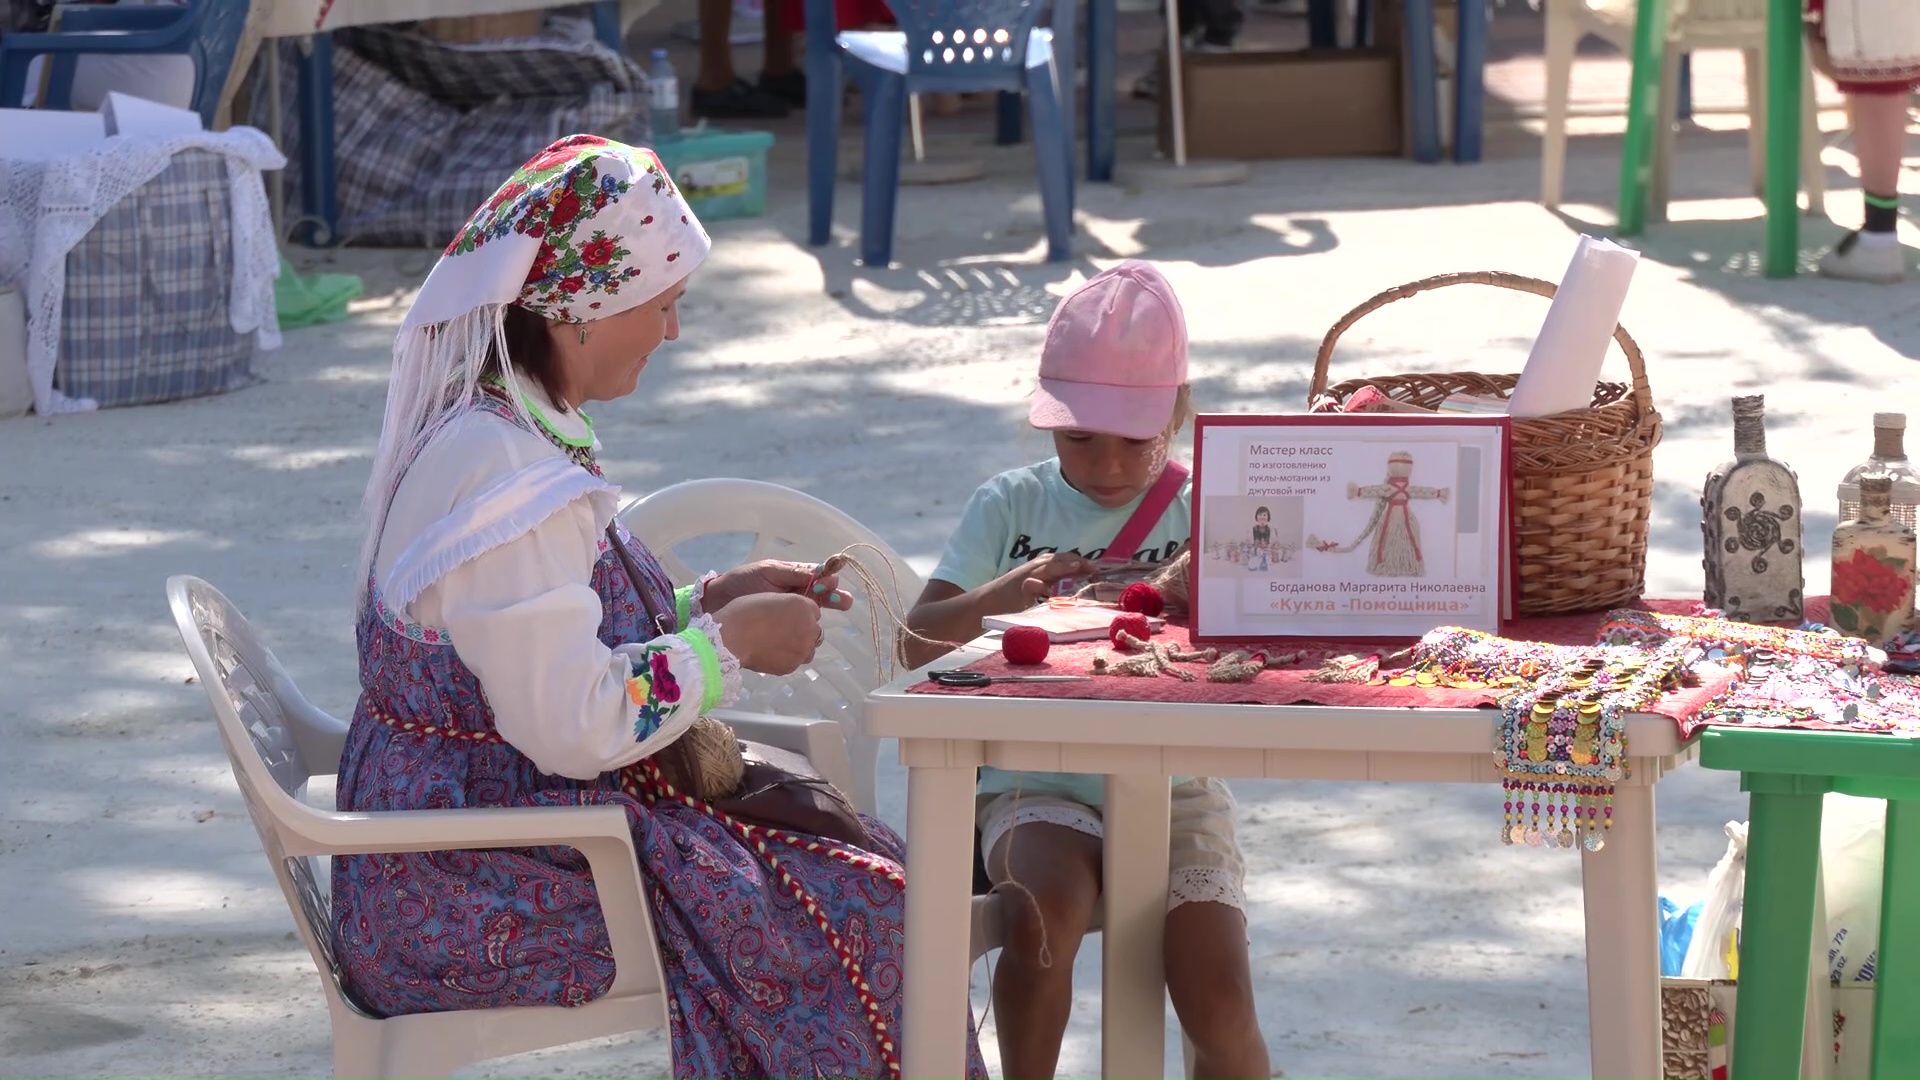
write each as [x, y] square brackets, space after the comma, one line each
[719, 93]
[1879, 117]
[780, 74]
[1205, 26]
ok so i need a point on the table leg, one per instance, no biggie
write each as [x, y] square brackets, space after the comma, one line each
[1323, 25]
[939, 905]
[1423, 84]
[1103, 50]
[1133, 1004]
[1783, 856]
[1643, 115]
[1620, 888]
[1896, 1038]
[1470, 81]
[319, 215]
[1783, 138]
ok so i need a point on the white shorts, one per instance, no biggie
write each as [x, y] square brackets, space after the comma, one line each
[1204, 864]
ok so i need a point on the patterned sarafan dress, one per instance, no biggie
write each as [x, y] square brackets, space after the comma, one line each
[756, 985]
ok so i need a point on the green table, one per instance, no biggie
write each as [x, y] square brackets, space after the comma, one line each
[1783, 127]
[1785, 774]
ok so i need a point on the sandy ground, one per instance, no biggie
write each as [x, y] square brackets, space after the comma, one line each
[1392, 934]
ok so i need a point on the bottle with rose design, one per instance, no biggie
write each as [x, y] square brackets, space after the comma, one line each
[1873, 567]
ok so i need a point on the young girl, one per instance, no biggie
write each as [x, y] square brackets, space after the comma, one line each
[1113, 391]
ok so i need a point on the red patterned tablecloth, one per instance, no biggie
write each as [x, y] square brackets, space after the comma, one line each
[1289, 686]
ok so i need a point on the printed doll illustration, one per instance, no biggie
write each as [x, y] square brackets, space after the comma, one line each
[1262, 539]
[1395, 531]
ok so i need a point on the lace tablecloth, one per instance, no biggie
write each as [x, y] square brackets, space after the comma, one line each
[46, 207]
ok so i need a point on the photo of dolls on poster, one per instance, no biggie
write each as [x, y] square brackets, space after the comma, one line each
[1343, 526]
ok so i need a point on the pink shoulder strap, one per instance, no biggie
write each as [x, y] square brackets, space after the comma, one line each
[1152, 508]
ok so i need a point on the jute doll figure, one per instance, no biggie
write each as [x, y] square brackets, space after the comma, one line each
[1393, 527]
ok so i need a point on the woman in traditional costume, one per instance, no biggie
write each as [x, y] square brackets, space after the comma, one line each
[508, 657]
[1394, 529]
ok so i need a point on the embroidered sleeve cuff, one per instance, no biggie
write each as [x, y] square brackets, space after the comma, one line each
[666, 681]
[720, 668]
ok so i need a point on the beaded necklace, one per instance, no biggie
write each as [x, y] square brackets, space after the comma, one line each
[1462, 659]
[1627, 627]
[579, 451]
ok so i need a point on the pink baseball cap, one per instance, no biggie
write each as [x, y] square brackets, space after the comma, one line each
[1115, 357]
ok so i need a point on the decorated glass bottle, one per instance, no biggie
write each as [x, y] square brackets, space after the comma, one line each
[1890, 457]
[1873, 567]
[1750, 525]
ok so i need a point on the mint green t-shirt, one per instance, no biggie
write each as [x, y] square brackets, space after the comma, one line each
[1032, 511]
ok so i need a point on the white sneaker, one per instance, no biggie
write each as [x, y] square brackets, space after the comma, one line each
[1865, 256]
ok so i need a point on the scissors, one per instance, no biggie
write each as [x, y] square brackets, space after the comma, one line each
[981, 678]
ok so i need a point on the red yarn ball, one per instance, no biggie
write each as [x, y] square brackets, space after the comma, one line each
[1025, 644]
[1130, 623]
[1143, 598]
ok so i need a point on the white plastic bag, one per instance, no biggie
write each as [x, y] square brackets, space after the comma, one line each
[1719, 918]
[1853, 836]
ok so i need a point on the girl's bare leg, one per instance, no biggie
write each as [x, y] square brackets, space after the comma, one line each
[1210, 978]
[1050, 886]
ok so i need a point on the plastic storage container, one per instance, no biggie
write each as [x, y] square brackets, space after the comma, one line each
[723, 174]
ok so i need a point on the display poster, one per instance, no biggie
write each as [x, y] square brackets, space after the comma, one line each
[1348, 526]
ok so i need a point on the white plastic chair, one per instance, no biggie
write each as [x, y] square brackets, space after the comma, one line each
[789, 524]
[1693, 25]
[276, 740]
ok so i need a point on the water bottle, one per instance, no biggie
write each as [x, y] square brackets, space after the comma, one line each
[664, 86]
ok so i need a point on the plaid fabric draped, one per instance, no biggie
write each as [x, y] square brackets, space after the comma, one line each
[425, 130]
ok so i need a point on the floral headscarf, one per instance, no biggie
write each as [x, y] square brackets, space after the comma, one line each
[586, 229]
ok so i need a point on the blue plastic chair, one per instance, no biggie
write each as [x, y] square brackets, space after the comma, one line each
[942, 46]
[206, 30]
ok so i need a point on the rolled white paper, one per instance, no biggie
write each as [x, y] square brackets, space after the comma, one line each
[1565, 362]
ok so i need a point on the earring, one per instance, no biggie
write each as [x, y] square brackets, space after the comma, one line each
[583, 335]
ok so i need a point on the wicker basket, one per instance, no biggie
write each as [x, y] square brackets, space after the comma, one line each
[1582, 480]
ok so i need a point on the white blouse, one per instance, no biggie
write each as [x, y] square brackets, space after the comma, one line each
[491, 542]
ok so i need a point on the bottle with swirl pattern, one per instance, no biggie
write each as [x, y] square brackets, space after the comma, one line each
[1751, 528]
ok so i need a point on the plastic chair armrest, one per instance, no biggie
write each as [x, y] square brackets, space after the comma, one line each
[821, 742]
[601, 834]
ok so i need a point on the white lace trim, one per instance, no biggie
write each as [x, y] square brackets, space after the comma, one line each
[47, 207]
[697, 603]
[512, 507]
[1205, 885]
[1073, 816]
[731, 686]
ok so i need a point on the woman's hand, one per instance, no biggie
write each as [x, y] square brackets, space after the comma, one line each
[770, 632]
[774, 576]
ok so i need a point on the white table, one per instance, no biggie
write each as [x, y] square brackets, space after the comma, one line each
[945, 737]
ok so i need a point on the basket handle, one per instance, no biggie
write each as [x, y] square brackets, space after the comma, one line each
[1636, 362]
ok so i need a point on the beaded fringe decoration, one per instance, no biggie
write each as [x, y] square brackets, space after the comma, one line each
[1561, 744]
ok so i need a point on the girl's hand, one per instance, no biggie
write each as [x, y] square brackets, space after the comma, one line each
[1017, 589]
[770, 632]
[774, 576]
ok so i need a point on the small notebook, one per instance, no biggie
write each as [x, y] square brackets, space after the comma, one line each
[1064, 624]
